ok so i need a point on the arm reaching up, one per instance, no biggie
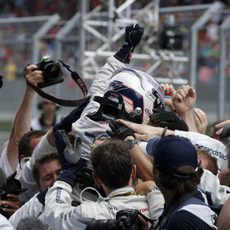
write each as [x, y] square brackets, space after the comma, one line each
[133, 35]
[184, 103]
[22, 121]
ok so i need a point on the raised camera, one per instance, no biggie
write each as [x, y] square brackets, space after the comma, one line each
[52, 71]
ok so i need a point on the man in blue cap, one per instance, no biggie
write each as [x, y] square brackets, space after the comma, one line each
[177, 174]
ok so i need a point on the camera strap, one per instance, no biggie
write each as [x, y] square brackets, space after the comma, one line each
[76, 77]
[64, 102]
[168, 212]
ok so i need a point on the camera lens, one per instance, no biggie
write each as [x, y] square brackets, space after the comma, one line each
[52, 71]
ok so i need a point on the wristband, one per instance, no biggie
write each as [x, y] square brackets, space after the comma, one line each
[164, 131]
[131, 143]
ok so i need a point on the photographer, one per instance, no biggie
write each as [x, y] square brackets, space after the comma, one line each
[10, 158]
[20, 145]
[48, 117]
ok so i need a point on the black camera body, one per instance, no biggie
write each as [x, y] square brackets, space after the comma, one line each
[10, 186]
[52, 71]
[125, 220]
[111, 107]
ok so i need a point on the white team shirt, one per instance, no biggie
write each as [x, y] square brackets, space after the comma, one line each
[5, 224]
[4, 162]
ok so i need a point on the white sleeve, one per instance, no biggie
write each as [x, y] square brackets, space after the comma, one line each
[156, 203]
[5, 224]
[210, 183]
[104, 75]
[33, 208]
[210, 145]
[99, 87]
[4, 162]
[59, 214]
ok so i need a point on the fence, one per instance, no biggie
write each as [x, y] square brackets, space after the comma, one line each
[89, 37]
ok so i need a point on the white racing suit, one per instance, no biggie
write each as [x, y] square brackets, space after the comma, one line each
[85, 128]
[32, 208]
[59, 214]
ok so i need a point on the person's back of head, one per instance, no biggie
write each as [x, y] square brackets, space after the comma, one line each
[112, 163]
[31, 223]
[176, 165]
[27, 142]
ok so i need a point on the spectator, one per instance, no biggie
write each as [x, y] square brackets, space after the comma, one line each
[10, 70]
[48, 117]
[21, 125]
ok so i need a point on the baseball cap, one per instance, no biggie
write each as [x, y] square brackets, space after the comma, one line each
[173, 152]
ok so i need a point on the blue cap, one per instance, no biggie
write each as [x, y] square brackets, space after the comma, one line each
[151, 145]
[173, 152]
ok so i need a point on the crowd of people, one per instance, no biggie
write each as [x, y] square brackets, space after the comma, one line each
[132, 155]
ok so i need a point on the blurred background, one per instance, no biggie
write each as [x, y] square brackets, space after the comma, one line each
[185, 41]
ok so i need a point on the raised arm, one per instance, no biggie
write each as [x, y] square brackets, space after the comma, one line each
[184, 103]
[133, 35]
[23, 117]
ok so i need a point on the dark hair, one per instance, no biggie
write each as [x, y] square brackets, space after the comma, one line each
[42, 160]
[180, 185]
[112, 163]
[31, 223]
[24, 145]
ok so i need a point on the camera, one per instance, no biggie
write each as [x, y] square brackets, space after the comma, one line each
[10, 186]
[52, 71]
[111, 107]
[125, 220]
